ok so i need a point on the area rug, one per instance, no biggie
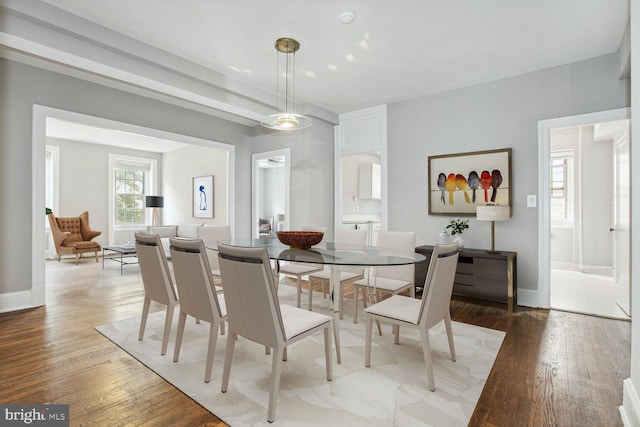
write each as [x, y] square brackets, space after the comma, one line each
[392, 392]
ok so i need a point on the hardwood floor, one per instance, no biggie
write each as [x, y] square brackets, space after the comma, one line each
[554, 368]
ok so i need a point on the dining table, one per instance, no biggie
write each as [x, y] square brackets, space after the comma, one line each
[339, 257]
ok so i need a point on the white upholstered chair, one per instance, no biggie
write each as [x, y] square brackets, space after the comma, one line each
[345, 239]
[255, 314]
[298, 270]
[400, 310]
[211, 235]
[197, 293]
[157, 281]
[389, 279]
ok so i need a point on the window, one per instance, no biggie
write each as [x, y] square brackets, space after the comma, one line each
[131, 179]
[129, 195]
[561, 188]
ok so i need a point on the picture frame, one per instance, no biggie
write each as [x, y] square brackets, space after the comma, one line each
[460, 182]
[203, 196]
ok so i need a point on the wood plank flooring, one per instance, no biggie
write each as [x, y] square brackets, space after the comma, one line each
[554, 368]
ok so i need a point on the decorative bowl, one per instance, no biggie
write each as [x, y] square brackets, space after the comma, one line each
[300, 239]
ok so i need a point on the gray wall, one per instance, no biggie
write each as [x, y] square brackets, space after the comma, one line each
[491, 116]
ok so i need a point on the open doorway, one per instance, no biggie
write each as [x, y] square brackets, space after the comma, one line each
[42, 119]
[584, 213]
[270, 193]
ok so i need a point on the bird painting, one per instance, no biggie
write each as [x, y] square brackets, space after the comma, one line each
[496, 180]
[474, 184]
[485, 183]
[462, 184]
[450, 185]
[441, 179]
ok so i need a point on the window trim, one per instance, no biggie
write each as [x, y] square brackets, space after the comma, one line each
[151, 187]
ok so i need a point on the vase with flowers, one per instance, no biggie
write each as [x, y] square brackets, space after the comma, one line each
[457, 226]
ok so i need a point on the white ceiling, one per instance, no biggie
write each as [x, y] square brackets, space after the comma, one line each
[400, 49]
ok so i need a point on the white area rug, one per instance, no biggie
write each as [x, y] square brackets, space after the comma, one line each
[393, 391]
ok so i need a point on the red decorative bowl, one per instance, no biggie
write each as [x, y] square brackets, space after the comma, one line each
[300, 239]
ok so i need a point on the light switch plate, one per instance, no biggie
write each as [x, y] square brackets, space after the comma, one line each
[531, 201]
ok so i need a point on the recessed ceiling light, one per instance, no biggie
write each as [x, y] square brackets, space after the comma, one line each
[347, 17]
[332, 68]
[349, 57]
[310, 74]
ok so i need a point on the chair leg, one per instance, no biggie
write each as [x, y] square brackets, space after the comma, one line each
[396, 333]
[310, 297]
[77, 258]
[167, 328]
[181, 321]
[222, 327]
[341, 296]
[327, 352]
[96, 253]
[213, 339]
[276, 371]
[143, 321]
[299, 286]
[356, 292]
[367, 341]
[426, 352]
[452, 347]
[228, 358]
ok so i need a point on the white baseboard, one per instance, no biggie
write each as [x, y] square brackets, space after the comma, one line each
[528, 298]
[14, 301]
[630, 408]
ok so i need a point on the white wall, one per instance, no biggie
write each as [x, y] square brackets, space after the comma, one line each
[179, 168]
[272, 196]
[496, 115]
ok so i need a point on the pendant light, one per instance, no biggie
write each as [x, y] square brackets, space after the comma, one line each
[287, 120]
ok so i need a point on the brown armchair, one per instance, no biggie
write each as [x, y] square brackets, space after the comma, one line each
[73, 236]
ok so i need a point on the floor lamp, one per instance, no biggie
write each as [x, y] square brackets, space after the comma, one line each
[493, 213]
[154, 202]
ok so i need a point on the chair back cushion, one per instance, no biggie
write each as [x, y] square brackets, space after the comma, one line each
[158, 285]
[438, 286]
[397, 243]
[250, 294]
[211, 235]
[196, 290]
[73, 226]
[350, 238]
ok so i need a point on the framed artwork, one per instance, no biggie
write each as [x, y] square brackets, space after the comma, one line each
[458, 183]
[203, 196]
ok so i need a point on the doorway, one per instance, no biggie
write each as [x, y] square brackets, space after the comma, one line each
[270, 189]
[41, 115]
[583, 216]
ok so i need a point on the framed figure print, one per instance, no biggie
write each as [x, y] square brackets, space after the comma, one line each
[203, 196]
[458, 183]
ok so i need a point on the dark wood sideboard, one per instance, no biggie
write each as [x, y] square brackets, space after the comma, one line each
[488, 276]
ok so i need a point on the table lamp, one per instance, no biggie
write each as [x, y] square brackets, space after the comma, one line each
[493, 213]
[154, 202]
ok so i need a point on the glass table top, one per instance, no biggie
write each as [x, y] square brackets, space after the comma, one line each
[329, 254]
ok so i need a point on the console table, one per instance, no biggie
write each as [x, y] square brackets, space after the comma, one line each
[483, 275]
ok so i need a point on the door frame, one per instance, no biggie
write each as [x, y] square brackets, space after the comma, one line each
[544, 220]
[255, 184]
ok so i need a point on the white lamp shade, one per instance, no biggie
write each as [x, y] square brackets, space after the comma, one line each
[493, 213]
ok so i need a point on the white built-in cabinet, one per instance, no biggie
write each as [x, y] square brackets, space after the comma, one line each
[369, 181]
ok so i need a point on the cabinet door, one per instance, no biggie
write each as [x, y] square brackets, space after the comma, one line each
[491, 278]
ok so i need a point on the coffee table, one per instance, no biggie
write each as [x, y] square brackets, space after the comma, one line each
[126, 253]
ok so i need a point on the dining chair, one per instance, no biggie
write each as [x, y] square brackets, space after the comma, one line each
[388, 279]
[157, 281]
[401, 310]
[298, 270]
[256, 314]
[211, 235]
[345, 239]
[197, 293]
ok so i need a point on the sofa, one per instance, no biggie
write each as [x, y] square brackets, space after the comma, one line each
[210, 234]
